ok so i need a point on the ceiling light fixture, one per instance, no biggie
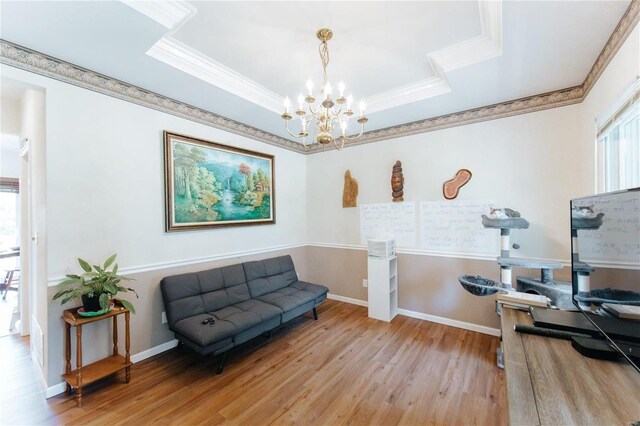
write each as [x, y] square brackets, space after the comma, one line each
[331, 117]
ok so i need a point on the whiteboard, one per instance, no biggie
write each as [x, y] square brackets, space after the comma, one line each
[389, 220]
[456, 227]
[616, 240]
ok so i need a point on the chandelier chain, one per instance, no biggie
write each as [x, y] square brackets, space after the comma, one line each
[324, 57]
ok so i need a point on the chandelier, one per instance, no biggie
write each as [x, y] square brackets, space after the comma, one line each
[331, 116]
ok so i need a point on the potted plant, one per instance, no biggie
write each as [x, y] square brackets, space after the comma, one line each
[97, 286]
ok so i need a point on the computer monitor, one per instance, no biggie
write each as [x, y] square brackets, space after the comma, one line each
[605, 266]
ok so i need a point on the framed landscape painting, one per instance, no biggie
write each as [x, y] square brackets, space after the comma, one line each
[208, 185]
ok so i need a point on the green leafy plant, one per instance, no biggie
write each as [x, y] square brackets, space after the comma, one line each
[99, 282]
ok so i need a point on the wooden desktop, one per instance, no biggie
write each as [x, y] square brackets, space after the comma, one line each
[549, 383]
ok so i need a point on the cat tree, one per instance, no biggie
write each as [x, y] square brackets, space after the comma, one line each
[558, 291]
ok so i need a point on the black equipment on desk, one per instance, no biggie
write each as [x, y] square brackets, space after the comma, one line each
[605, 269]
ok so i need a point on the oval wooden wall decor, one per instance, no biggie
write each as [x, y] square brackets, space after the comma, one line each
[451, 187]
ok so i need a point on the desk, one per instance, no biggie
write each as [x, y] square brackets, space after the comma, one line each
[549, 383]
[83, 375]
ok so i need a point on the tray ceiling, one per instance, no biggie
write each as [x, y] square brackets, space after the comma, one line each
[410, 60]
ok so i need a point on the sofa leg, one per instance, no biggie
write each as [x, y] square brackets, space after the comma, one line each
[221, 365]
[180, 344]
[315, 314]
[269, 334]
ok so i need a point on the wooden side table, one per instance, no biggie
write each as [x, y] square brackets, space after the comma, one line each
[83, 375]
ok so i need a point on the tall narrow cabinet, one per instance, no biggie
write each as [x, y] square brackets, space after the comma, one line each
[383, 285]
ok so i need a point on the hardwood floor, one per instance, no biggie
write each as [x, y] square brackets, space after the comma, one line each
[343, 369]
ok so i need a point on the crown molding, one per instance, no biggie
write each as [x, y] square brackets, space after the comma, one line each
[178, 55]
[412, 92]
[626, 25]
[487, 45]
[38, 63]
[171, 14]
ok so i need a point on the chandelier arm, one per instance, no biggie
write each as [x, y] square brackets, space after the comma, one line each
[286, 126]
[341, 143]
[355, 137]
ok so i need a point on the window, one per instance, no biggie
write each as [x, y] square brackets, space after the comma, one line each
[618, 144]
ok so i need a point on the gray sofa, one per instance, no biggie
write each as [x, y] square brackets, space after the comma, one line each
[246, 300]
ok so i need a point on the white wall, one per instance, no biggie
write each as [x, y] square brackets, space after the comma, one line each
[527, 162]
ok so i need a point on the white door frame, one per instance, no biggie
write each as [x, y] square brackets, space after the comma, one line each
[25, 291]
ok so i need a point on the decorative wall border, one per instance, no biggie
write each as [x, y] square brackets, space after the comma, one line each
[29, 60]
[38, 63]
[626, 25]
[559, 98]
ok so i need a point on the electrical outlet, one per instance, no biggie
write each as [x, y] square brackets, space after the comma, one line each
[365, 282]
[164, 317]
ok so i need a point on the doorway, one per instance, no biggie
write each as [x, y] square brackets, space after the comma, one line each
[10, 235]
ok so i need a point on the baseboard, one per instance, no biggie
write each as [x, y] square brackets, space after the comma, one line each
[55, 390]
[347, 300]
[451, 322]
[59, 388]
[154, 351]
[426, 317]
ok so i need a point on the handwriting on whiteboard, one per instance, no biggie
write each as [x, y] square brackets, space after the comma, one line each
[617, 238]
[389, 220]
[456, 227]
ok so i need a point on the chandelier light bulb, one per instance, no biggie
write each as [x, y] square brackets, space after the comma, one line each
[341, 88]
[287, 102]
[327, 90]
[349, 101]
[310, 87]
[300, 101]
[343, 127]
[362, 107]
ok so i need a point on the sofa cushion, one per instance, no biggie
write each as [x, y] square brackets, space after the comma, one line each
[318, 290]
[205, 291]
[202, 334]
[287, 298]
[247, 314]
[230, 321]
[223, 287]
[266, 276]
[182, 297]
